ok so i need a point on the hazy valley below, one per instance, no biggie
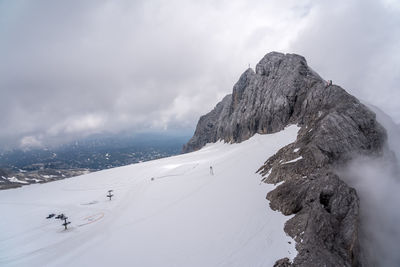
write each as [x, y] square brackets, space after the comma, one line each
[37, 165]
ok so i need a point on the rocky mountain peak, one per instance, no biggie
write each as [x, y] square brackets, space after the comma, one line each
[335, 127]
[283, 90]
[272, 62]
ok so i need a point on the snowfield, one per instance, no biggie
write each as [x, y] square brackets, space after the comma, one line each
[167, 212]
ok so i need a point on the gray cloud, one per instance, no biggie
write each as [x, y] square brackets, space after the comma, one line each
[377, 184]
[377, 181]
[356, 44]
[80, 67]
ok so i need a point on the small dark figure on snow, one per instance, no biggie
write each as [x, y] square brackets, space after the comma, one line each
[110, 195]
[51, 215]
[211, 170]
[60, 216]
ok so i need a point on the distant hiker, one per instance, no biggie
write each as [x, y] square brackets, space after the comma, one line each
[328, 83]
[211, 170]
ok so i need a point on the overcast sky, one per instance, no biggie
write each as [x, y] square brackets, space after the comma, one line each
[72, 68]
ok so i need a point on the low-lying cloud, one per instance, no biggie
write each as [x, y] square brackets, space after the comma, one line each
[377, 181]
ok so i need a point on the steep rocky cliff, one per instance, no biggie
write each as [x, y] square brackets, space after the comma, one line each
[335, 127]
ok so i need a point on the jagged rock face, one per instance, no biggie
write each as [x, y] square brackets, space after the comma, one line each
[283, 90]
[335, 126]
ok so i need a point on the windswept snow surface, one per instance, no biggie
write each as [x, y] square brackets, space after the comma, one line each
[182, 217]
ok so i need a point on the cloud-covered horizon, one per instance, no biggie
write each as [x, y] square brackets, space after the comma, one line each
[76, 68]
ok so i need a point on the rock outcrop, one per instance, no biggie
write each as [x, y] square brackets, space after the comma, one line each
[335, 127]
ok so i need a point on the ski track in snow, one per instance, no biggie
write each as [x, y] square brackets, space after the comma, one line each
[184, 216]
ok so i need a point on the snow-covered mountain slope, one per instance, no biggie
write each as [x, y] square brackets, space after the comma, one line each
[167, 212]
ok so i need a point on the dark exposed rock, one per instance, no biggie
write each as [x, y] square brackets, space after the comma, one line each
[285, 262]
[335, 127]
[206, 127]
[3, 173]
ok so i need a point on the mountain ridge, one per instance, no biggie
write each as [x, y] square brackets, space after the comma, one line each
[335, 128]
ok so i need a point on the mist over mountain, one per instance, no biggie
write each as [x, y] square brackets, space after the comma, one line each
[377, 181]
[166, 133]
